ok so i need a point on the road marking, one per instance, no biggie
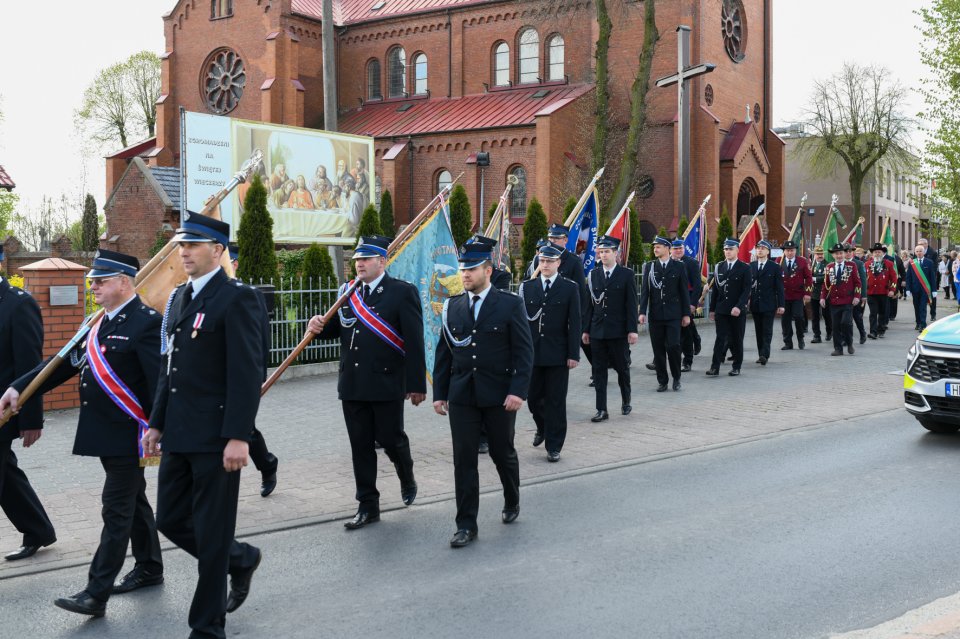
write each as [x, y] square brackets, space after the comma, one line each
[938, 619]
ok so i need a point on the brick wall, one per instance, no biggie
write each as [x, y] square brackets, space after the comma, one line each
[135, 212]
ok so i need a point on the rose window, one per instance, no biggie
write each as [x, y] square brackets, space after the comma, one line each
[224, 77]
[734, 27]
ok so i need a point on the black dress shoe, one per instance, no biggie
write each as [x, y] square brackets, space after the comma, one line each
[626, 408]
[136, 578]
[462, 537]
[268, 483]
[686, 368]
[240, 585]
[836, 352]
[651, 366]
[872, 335]
[800, 343]
[360, 520]
[712, 372]
[509, 515]
[553, 457]
[786, 347]
[816, 340]
[591, 384]
[537, 439]
[829, 337]
[483, 448]
[730, 358]
[676, 385]
[850, 348]
[863, 339]
[83, 603]
[408, 492]
[661, 388]
[696, 348]
[601, 416]
[880, 335]
[734, 372]
[25, 551]
[762, 360]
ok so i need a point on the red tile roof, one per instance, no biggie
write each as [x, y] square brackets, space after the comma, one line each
[354, 11]
[435, 115]
[6, 182]
[140, 149]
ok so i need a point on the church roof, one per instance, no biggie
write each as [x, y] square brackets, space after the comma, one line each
[518, 107]
[354, 11]
[6, 182]
[743, 133]
[169, 179]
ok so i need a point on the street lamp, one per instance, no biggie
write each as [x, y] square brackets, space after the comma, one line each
[483, 161]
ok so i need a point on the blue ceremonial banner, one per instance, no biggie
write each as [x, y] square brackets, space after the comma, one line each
[583, 232]
[692, 244]
[428, 260]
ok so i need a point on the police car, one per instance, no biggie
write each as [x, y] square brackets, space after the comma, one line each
[931, 382]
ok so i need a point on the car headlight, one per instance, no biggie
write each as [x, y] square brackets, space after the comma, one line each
[911, 356]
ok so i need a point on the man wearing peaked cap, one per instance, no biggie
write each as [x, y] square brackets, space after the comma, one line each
[850, 255]
[124, 344]
[766, 298]
[205, 411]
[665, 299]
[499, 278]
[797, 288]
[881, 287]
[689, 336]
[571, 267]
[381, 366]
[730, 294]
[481, 376]
[841, 292]
[818, 270]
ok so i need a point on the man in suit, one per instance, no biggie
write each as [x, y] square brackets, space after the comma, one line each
[205, 410]
[797, 288]
[728, 305]
[850, 255]
[819, 269]
[766, 298]
[571, 267]
[381, 366]
[893, 302]
[21, 346]
[841, 292]
[121, 350]
[881, 287]
[552, 304]
[481, 377]
[665, 297]
[921, 275]
[610, 326]
[689, 336]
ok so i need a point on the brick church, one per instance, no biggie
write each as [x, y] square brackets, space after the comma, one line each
[434, 82]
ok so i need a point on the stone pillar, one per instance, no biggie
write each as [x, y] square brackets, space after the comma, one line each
[61, 317]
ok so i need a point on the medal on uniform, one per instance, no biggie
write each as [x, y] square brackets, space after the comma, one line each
[197, 323]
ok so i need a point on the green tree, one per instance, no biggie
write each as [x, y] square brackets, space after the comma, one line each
[369, 222]
[724, 227]
[708, 251]
[682, 226]
[534, 228]
[568, 208]
[461, 218]
[159, 241]
[318, 272]
[90, 224]
[8, 204]
[387, 223]
[121, 100]
[636, 240]
[258, 260]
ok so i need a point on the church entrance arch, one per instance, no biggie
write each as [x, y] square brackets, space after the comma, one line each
[749, 199]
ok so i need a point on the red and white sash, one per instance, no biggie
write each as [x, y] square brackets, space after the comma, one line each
[374, 322]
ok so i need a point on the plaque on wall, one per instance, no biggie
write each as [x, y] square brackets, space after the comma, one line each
[64, 295]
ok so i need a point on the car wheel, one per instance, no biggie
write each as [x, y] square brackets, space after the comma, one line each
[935, 426]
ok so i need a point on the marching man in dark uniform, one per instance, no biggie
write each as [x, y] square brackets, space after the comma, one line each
[819, 269]
[119, 363]
[766, 298]
[841, 291]
[610, 327]
[205, 410]
[571, 267]
[689, 337]
[797, 288]
[728, 305]
[665, 297]
[553, 310]
[21, 347]
[481, 376]
[850, 256]
[881, 288]
[381, 365]
[919, 281]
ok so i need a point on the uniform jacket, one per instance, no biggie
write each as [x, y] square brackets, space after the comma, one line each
[132, 343]
[556, 332]
[841, 288]
[731, 287]
[819, 270]
[497, 362]
[612, 311]
[370, 369]
[694, 283]
[571, 267]
[912, 282]
[766, 294]
[664, 293]
[21, 347]
[881, 276]
[862, 270]
[209, 386]
[797, 281]
[500, 279]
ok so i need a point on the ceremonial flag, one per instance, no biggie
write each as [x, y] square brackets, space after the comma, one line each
[620, 229]
[583, 231]
[752, 234]
[831, 233]
[855, 236]
[796, 233]
[693, 242]
[886, 237]
[499, 229]
[428, 259]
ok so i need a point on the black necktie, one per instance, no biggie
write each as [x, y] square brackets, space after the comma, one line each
[103, 325]
[473, 307]
[187, 296]
[546, 289]
[366, 291]
[607, 274]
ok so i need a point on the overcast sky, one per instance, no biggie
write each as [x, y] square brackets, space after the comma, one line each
[43, 78]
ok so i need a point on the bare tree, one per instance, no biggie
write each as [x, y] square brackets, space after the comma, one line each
[37, 227]
[856, 118]
[143, 77]
[121, 100]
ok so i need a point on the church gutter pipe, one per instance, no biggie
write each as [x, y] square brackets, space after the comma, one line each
[449, 55]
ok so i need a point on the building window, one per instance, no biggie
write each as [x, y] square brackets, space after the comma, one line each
[223, 80]
[444, 179]
[221, 9]
[373, 80]
[880, 183]
[420, 74]
[529, 58]
[518, 195]
[889, 189]
[555, 57]
[397, 73]
[501, 65]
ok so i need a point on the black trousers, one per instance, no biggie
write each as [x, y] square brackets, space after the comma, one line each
[127, 520]
[197, 510]
[816, 312]
[920, 309]
[841, 315]
[689, 340]
[858, 319]
[20, 503]
[665, 339]
[465, 421]
[369, 422]
[892, 306]
[729, 335]
[793, 316]
[763, 327]
[607, 353]
[878, 313]
[548, 404]
[263, 459]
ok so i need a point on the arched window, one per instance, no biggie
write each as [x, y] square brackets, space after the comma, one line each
[373, 80]
[221, 9]
[529, 58]
[397, 72]
[518, 195]
[444, 178]
[501, 65]
[555, 57]
[420, 74]
[880, 183]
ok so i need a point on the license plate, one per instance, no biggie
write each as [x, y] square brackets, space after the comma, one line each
[952, 390]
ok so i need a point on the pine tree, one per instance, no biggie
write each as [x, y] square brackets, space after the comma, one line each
[90, 225]
[724, 230]
[369, 222]
[534, 229]
[258, 259]
[318, 273]
[682, 226]
[490, 213]
[387, 223]
[636, 245]
[568, 207]
[461, 218]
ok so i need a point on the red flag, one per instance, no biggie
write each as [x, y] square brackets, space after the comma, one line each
[620, 229]
[748, 239]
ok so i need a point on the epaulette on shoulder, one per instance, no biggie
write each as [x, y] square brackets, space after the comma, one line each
[147, 310]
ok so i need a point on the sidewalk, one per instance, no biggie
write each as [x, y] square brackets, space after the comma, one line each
[303, 425]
